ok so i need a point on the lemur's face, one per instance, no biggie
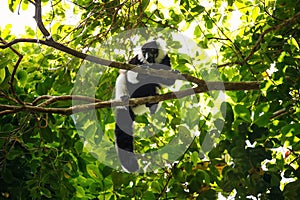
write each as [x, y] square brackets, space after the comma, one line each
[150, 51]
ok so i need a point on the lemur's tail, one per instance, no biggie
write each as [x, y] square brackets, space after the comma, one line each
[124, 139]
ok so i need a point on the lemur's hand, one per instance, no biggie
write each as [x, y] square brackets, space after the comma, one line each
[175, 71]
[125, 99]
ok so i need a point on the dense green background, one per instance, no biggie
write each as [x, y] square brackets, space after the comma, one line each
[42, 156]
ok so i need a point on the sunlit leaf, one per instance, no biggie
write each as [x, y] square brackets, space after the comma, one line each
[255, 12]
[2, 74]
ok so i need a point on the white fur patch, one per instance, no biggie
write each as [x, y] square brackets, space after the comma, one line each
[161, 55]
[132, 77]
[162, 52]
[142, 58]
[121, 89]
[141, 109]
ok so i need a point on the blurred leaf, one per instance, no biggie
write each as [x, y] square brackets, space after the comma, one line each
[2, 75]
[94, 172]
[148, 195]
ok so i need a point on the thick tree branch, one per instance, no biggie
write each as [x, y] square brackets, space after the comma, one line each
[97, 104]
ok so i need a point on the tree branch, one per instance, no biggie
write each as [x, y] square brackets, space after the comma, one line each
[39, 21]
[53, 99]
[153, 72]
[97, 104]
[118, 65]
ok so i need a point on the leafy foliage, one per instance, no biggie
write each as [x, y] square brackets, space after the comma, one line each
[257, 154]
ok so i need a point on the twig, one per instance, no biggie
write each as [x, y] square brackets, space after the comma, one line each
[2, 94]
[6, 112]
[12, 78]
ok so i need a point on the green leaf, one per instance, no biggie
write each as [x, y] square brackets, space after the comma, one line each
[293, 129]
[145, 4]
[243, 112]
[291, 190]
[197, 31]
[148, 195]
[195, 184]
[45, 192]
[78, 147]
[4, 61]
[13, 154]
[255, 13]
[80, 192]
[230, 2]
[119, 179]
[293, 42]
[22, 76]
[198, 9]
[263, 120]
[227, 114]
[43, 87]
[296, 146]
[2, 75]
[195, 157]
[94, 172]
[156, 187]
[13, 4]
[178, 175]
[261, 115]
[238, 152]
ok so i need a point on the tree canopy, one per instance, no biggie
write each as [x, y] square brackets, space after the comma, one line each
[229, 127]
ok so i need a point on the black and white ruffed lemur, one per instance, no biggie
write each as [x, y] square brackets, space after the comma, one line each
[130, 84]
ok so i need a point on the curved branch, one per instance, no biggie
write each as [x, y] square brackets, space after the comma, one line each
[39, 21]
[12, 78]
